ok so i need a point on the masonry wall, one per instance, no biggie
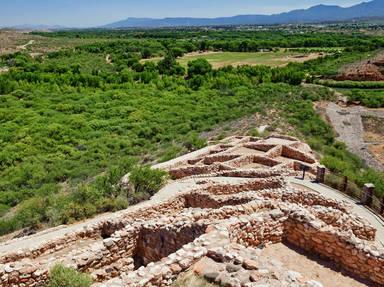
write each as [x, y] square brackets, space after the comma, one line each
[344, 249]
[297, 154]
[259, 229]
[155, 244]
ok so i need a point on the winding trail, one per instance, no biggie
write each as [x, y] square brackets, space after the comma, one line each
[24, 47]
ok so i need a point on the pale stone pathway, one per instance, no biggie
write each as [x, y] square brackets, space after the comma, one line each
[360, 210]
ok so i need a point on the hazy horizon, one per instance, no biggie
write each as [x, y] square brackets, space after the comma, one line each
[90, 13]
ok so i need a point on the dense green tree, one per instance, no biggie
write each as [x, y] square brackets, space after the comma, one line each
[199, 67]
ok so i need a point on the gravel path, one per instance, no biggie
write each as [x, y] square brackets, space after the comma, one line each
[348, 124]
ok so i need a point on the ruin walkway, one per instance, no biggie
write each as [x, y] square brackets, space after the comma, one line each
[360, 210]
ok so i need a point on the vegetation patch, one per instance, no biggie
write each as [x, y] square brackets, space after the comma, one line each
[61, 276]
[190, 279]
[74, 123]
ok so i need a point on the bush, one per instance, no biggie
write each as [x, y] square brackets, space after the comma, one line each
[145, 180]
[333, 181]
[199, 67]
[3, 209]
[61, 276]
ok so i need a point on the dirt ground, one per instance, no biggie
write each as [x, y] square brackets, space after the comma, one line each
[311, 267]
[374, 128]
[374, 135]
[348, 125]
[378, 151]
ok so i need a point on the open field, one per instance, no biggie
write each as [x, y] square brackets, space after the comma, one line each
[222, 59]
[12, 41]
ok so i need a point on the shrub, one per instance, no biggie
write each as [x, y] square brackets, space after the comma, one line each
[61, 276]
[333, 181]
[3, 209]
[144, 179]
[199, 67]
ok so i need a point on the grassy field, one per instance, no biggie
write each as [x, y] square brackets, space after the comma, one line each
[12, 41]
[222, 59]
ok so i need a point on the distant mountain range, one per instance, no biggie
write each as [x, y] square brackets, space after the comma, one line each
[315, 14]
[34, 27]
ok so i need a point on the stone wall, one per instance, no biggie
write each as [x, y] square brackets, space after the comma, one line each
[249, 159]
[275, 152]
[23, 276]
[182, 172]
[259, 146]
[352, 254]
[157, 243]
[219, 158]
[344, 221]
[296, 154]
[253, 185]
[258, 229]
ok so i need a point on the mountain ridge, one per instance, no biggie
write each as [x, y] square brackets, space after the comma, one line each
[315, 14]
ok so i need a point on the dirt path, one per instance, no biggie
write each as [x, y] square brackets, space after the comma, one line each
[348, 124]
[24, 47]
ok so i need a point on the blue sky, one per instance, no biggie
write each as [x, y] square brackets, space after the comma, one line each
[87, 13]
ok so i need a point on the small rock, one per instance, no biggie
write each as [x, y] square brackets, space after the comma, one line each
[211, 277]
[8, 269]
[250, 264]
[254, 276]
[231, 268]
[175, 268]
[294, 276]
[314, 283]
[217, 255]
[108, 242]
[264, 271]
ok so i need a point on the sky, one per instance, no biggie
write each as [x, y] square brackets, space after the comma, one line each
[91, 13]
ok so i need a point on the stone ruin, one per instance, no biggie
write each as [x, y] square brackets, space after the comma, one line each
[224, 204]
